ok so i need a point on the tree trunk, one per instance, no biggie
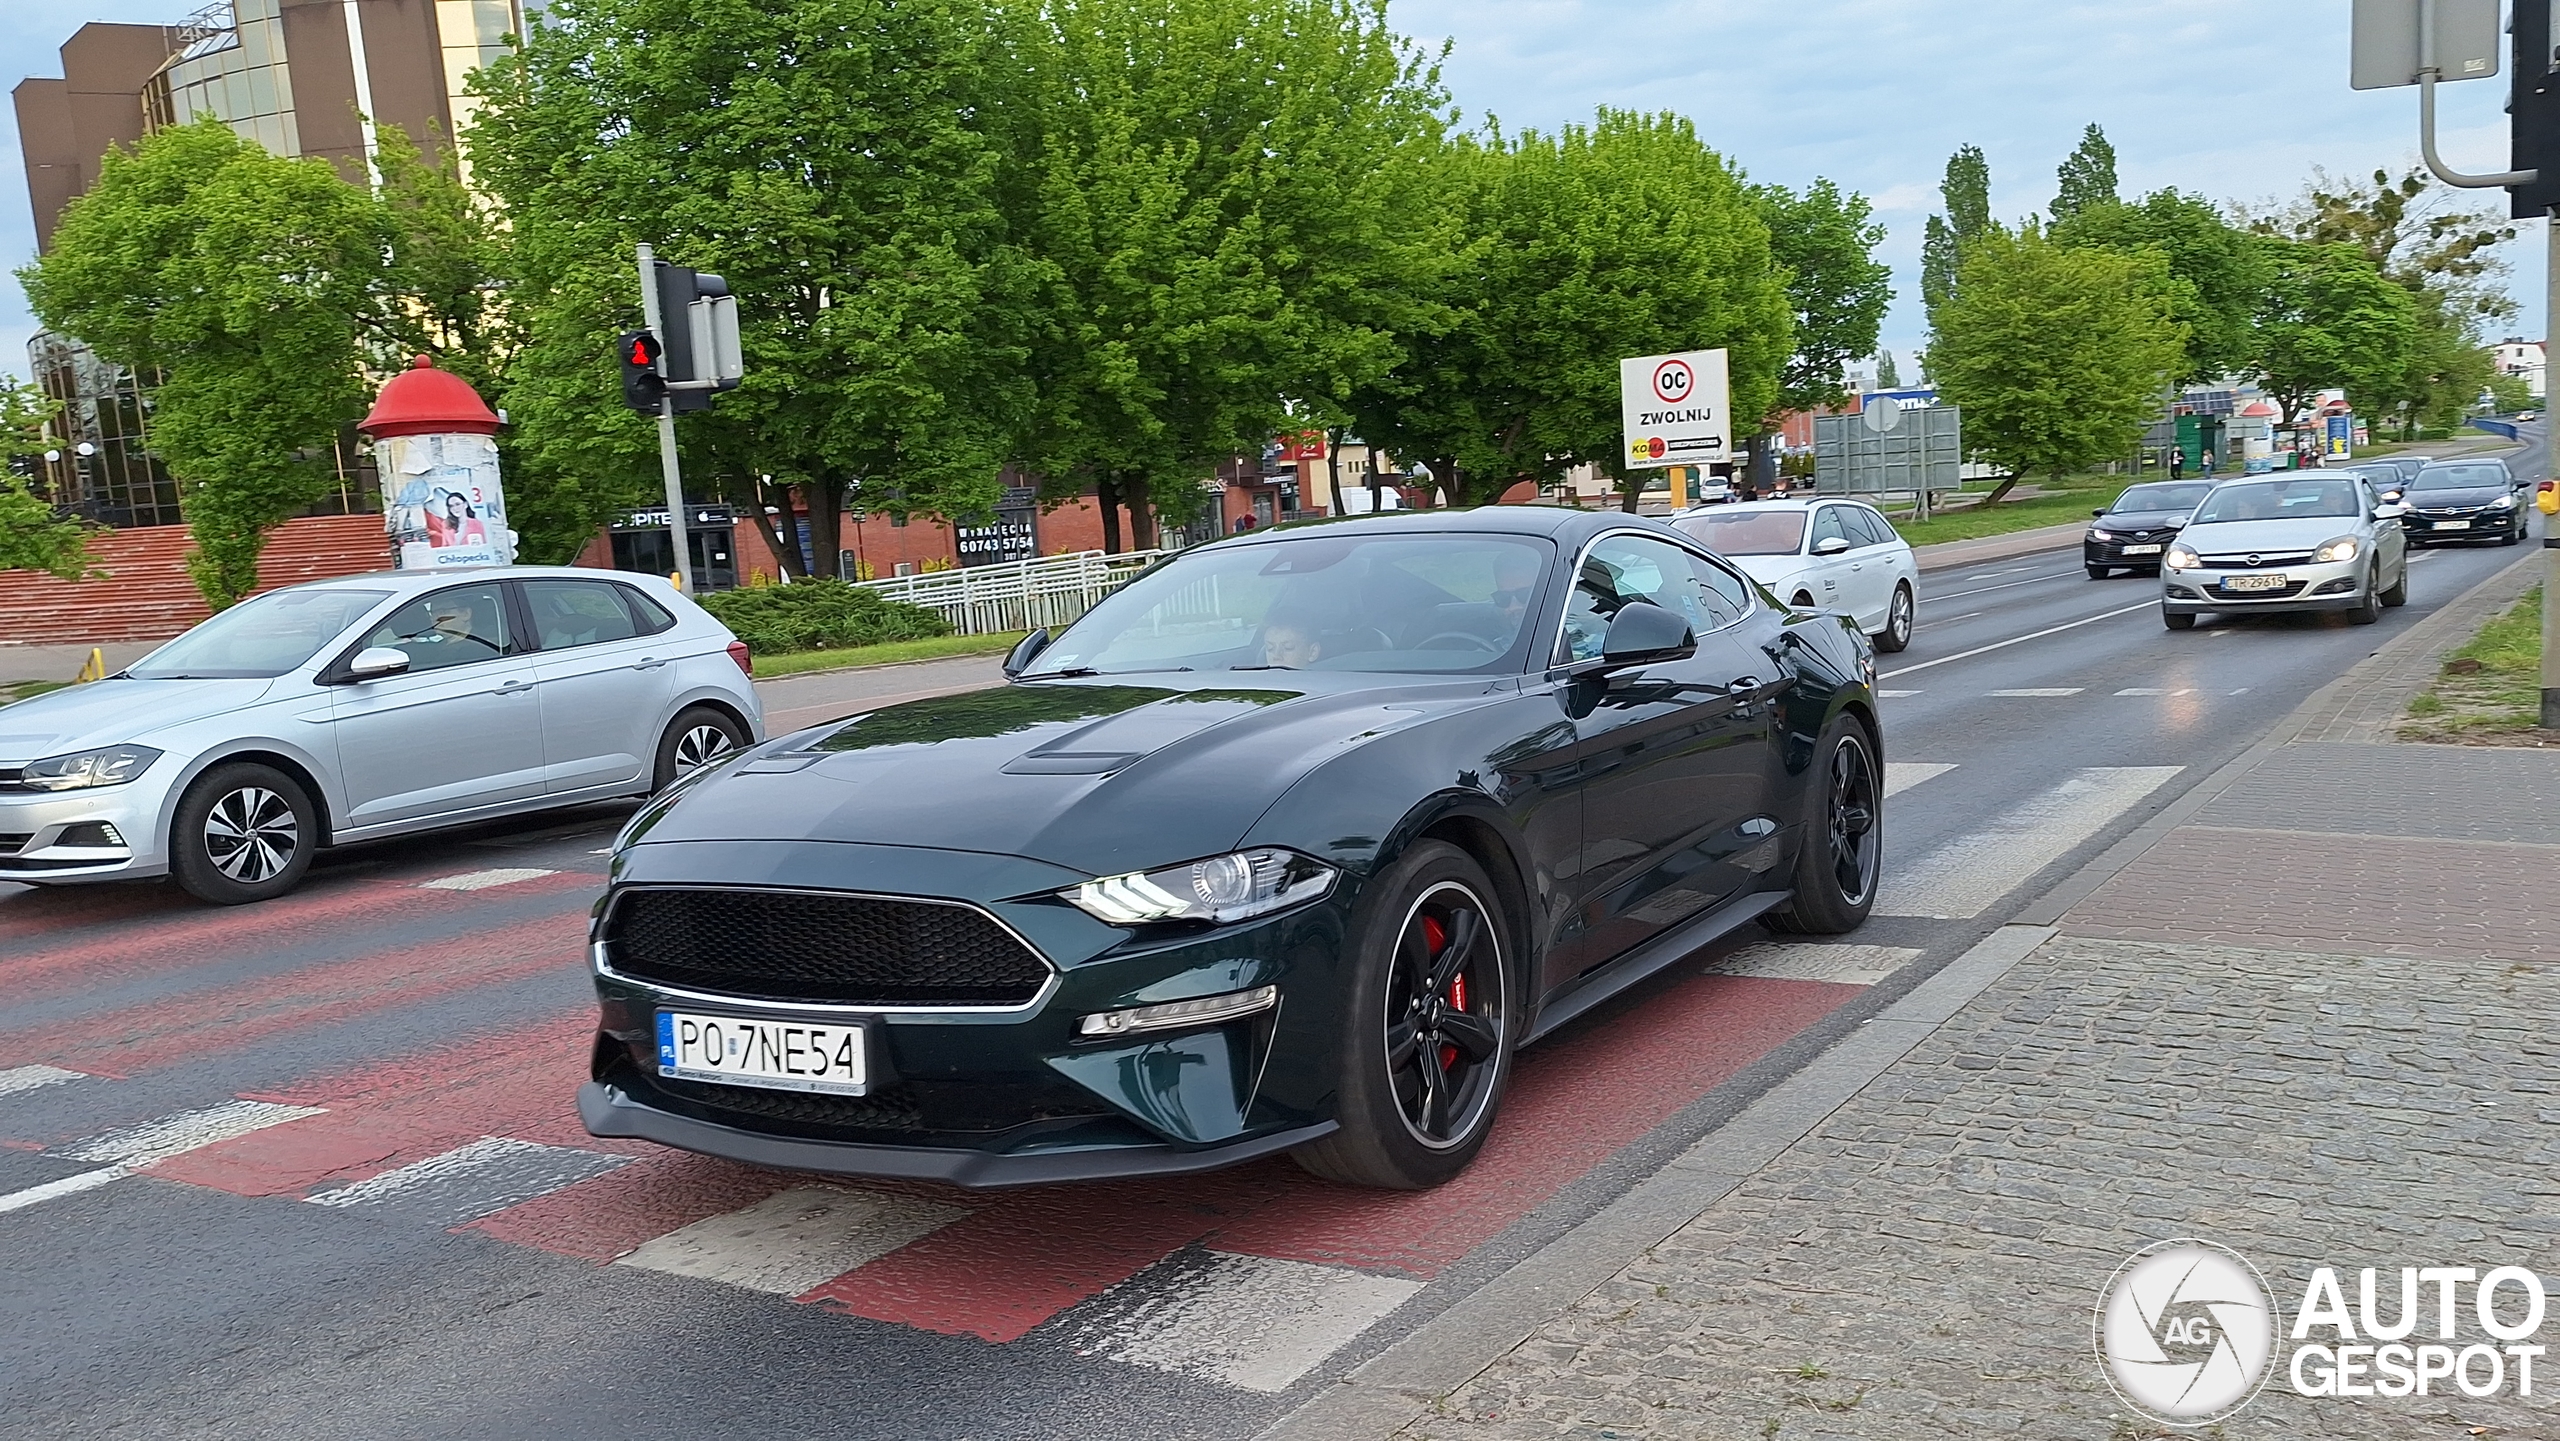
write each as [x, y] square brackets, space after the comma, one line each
[1106, 494]
[785, 554]
[2000, 492]
[825, 494]
[1630, 487]
[1758, 464]
[1142, 516]
[1333, 469]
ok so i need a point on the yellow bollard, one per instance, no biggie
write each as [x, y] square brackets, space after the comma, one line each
[96, 669]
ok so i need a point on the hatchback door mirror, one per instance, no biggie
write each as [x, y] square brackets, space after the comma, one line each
[1831, 545]
[376, 661]
[1025, 651]
[1642, 633]
[2390, 510]
[2096, 513]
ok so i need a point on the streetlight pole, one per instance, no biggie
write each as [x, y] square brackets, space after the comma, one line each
[2550, 523]
[668, 466]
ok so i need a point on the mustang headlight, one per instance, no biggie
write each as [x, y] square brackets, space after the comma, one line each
[112, 766]
[2182, 558]
[2345, 547]
[1232, 887]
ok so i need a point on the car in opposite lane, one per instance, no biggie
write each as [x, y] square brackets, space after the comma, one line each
[2465, 500]
[1818, 552]
[361, 708]
[2132, 533]
[2311, 540]
[1288, 845]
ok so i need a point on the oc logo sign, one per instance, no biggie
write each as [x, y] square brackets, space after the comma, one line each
[1673, 380]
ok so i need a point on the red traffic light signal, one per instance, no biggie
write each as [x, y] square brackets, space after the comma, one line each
[643, 388]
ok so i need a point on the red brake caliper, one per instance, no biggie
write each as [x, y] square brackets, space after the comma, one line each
[1434, 936]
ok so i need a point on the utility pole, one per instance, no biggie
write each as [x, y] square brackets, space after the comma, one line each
[669, 467]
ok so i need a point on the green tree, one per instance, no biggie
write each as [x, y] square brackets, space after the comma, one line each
[2087, 176]
[838, 163]
[1825, 239]
[444, 268]
[1887, 378]
[1967, 193]
[1625, 237]
[2328, 318]
[2509, 394]
[1227, 205]
[241, 278]
[2057, 355]
[33, 535]
[2218, 275]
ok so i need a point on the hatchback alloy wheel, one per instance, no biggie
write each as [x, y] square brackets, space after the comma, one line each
[1444, 1017]
[700, 745]
[251, 835]
[243, 832]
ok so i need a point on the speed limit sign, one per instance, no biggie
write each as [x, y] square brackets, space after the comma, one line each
[1675, 408]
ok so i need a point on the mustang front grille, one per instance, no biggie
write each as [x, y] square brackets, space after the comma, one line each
[814, 946]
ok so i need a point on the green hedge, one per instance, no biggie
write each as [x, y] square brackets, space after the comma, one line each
[819, 615]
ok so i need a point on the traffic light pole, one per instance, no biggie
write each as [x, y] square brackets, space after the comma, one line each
[669, 467]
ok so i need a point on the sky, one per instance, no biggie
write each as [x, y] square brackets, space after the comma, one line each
[2237, 100]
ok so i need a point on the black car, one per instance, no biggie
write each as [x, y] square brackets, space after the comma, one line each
[1287, 846]
[2132, 533]
[2460, 500]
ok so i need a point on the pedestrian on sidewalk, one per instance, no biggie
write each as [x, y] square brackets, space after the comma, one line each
[2208, 464]
[2177, 462]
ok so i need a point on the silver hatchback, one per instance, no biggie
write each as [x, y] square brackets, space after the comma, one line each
[364, 707]
[2313, 541]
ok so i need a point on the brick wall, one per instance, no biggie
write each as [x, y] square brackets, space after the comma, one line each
[146, 593]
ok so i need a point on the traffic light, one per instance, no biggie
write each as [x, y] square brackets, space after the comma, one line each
[701, 322]
[642, 386]
[2533, 108]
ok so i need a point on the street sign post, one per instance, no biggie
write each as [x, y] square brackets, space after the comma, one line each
[1675, 409]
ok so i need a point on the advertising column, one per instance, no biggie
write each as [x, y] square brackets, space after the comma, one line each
[435, 446]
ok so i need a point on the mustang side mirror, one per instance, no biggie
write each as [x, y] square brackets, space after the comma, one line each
[1831, 545]
[1025, 651]
[376, 661]
[1642, 633]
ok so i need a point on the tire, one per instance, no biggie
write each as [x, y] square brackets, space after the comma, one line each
[2368, 609]
[1840, 861]
[698, 734]
[1801, 602]
[2175, 621]
[2398, 595]
[1899, 620]
[2098, 572]
[1400, 1130]
[243, 832]
[2514, 536]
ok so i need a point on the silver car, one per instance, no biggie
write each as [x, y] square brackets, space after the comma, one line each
[370, 706]
[2304, 541]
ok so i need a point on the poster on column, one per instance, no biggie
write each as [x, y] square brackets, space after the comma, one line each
[442, 502]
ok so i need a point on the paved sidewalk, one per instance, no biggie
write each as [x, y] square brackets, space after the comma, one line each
[2309, 1022]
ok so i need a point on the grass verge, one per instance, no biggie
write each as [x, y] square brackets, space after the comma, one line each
[2490, 691]
[2053, 507]
[802, 662]
[18, 690]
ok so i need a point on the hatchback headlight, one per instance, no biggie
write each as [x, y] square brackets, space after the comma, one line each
[2504, 502]
[2182, 558]
[112, 766]
[1233, 887]
[2345, 547]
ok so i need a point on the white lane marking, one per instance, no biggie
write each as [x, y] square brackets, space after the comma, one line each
[2147, 691]
[2049, 692]
[483, 880]
[796, 1241]
[1894, 694]
[1812, 961]
[2244, 690]
[475, 1180]
[134, 1147]
[2019, 640]
[1963, 877]
[1900, 776]
[67, 1186]
[30, 1078]
[1986, 590]
[1952, 619]
[1248, 1321]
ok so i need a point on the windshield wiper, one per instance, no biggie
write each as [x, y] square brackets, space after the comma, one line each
[1262, 667]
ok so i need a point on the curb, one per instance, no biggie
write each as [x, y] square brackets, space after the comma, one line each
[1400, 1384]
[1950, 554]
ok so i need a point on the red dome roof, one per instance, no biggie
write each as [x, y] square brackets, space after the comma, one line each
[423, 400]
[2261, 408]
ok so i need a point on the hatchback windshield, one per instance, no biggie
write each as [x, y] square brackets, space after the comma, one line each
[259, 638]
[1320, 601]
[2460, 477]
[2280, 500]
[1748, 532]
[2167, 496]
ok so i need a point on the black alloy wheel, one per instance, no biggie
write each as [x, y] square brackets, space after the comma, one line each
[1842, 854]
[243, 832]
[1899, 619]
[701, 735]
[1426, 1044]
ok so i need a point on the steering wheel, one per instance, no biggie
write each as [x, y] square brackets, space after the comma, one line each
[1467, 640]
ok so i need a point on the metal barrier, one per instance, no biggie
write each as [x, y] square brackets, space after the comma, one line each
[1017, 595]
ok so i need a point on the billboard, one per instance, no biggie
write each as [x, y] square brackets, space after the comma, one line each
[441, 501]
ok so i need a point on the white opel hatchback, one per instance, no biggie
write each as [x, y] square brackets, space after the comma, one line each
[1820, 554]
[369, 706]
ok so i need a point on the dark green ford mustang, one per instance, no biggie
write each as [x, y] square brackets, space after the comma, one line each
[1287, 846]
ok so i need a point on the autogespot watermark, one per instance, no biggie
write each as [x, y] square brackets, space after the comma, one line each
[2188, 1332]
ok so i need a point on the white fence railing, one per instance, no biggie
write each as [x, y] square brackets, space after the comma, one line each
[1019, 594]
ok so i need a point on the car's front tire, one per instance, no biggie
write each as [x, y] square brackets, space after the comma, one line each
[1427, 1026]
[2098, 572]
[2175, 621]
[243, 832]
[700, 735]
[2368, 606]
[2398, 595]
[1899, 620]
[1841, 857]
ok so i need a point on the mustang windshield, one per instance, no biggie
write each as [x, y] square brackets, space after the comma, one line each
[1320, 600]
[258, 639]
[2280, 500]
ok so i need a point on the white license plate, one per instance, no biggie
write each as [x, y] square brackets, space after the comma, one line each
[2254, 582]
[2142, 550]
[2453, 525]
[778, 1055]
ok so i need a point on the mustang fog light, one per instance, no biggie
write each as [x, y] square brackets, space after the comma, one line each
[112, 766]
[1172, 1015]
[1231, 887]
[2345, 547]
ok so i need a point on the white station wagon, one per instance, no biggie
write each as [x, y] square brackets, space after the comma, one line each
[1820, 554]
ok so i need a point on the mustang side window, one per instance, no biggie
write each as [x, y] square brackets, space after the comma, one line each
[1624, 569]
